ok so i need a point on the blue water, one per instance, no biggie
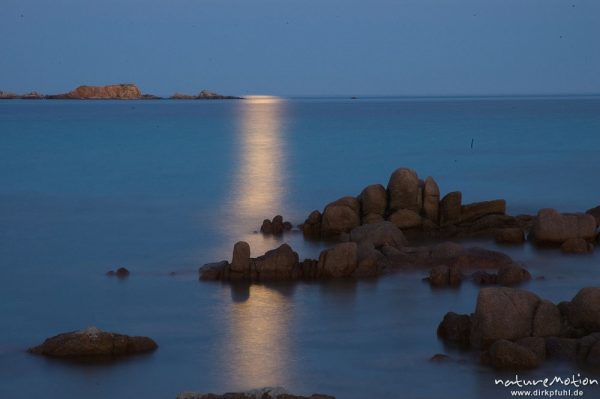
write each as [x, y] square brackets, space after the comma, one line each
[162, 187]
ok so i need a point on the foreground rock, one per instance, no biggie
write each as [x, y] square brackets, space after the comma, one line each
[515, 329]
[93, 343]
[262, 393]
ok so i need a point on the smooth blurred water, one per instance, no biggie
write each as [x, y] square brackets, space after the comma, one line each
[165, 186]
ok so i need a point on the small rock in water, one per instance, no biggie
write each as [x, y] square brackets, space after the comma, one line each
[121, 272]
[93, 343]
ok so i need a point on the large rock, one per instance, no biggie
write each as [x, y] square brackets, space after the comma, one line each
[278, 264]
[562, 348]
[479, 259]
[373, 200]
[584, 309]
[403, 190]
[502, 313]
[379, 235]
[406, 219]
[240, 261]
[553, 228]
[93, 343]
[450, 208]
[477, 210]
[340, 216]
[509, 355]
[431, 200]
[339, 261]
[125, 91]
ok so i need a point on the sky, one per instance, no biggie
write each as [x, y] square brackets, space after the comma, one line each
[303, 47]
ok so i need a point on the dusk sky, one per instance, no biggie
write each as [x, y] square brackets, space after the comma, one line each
[308, 47]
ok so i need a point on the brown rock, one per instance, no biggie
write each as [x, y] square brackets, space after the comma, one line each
[339, 261]
[379, 235]
[340, 216]
[240, 261]
[373, 200]
[278, 264]
[371, 262]
[576, 246]
[480, 259]
[502, 313]
[477, 210]
[124, 91]
[511, 235]
[442, 276]
[512, 275]
[595, 212]
[450, 208]
[584, 309]
[431, 200]
[213, 271]
[551, 227]
[372, 218]
[403, 190]
[406, 219]
[546, 320]
[312, 225]
[93, 343]
[508, 355]
[455, 328]
[483, 278]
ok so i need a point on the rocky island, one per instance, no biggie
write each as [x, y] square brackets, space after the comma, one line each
[121, 91]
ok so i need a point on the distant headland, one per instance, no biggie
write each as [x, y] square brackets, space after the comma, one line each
[123, 91]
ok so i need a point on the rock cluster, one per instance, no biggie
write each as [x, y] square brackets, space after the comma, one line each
[370, 250]
[203, 95]
[276, 226]
[262, 393]
[413, 205]
[515, 329]
[93, 343]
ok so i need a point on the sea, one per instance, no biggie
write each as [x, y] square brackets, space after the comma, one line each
[163, 187]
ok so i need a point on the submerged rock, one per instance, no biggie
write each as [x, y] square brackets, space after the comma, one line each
[276, 226]
[93, 343]
[121, 272]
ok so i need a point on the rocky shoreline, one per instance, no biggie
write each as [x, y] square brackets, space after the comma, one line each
[123, 91]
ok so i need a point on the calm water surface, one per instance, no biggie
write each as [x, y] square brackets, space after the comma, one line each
[162, 187]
